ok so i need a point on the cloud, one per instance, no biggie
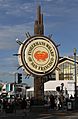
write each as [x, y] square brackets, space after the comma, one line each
[16, 7]
[17, 17]
[8, 64]
[8, 34]
[60, 6]
[48, 0]
[60, 12]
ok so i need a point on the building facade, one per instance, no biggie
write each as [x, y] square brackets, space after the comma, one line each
[64, 74]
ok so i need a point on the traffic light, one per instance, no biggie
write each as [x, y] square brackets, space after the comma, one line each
[19, 78]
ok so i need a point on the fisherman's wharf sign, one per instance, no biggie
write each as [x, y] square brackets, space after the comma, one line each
[39, 55]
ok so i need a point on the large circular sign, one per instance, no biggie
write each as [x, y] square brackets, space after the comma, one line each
[39, 55]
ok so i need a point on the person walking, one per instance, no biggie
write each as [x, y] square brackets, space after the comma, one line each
[52, 102]
[24, 106]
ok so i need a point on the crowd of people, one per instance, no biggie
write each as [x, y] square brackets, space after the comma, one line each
[11, 105]
[59, 102]
[53, 102]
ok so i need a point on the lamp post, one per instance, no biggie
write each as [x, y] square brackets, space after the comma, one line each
[15, 90]
[75, 72]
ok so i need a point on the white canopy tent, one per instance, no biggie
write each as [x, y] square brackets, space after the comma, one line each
[51, 86]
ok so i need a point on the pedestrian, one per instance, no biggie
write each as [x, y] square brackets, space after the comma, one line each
[57, 102]
[61, 99]
[5, 103]
[1, 105]
[24, 106]
[52, 102]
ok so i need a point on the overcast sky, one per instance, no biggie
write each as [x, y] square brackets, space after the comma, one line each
[18, 16]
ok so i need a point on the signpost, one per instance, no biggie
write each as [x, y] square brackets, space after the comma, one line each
[38, 56]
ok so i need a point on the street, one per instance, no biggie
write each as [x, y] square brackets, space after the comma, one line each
[44, 115]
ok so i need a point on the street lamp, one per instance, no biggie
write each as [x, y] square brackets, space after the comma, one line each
[15, 75]
[75, 72]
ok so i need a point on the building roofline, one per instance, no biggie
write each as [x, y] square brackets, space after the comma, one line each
[63, 59]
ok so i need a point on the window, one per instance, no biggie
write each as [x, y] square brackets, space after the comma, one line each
[66, 71]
